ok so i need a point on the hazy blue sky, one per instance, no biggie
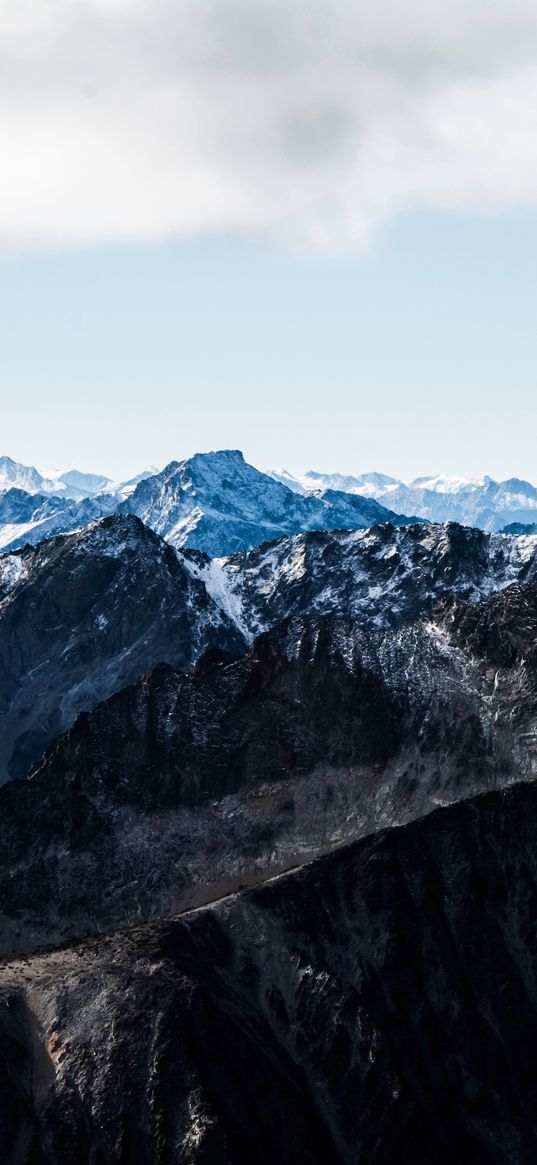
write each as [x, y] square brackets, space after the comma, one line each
[305, 230]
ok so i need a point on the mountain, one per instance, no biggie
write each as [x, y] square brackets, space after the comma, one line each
[69, 485]
[15, 475]
[85, 614]
[488, 504]
[29, 518]
[382, 577]
[214, 502]
[520, 528]
[376, 1004]
[218, 503]
[181, 787]
[377, 1007]
[482, 502]
[365, 485]
[273, 904]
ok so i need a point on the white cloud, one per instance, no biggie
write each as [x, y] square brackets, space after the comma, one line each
[308, 122]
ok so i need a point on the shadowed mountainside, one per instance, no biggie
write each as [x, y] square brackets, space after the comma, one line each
[378, 1007]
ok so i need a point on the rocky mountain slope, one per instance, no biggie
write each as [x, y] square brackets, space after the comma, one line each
[381, 576]
[84, 615]
[186, 785]
[482, 502]
[217, 503]
[378, 1007]
[247, 908]
[520, 528]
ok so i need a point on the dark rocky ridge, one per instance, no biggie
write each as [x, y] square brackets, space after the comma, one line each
[378, 1007]
[83, 615]
[185, 786]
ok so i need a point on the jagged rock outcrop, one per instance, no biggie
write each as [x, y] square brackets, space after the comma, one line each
[520, 528]
[186, 785]
[378, 1007]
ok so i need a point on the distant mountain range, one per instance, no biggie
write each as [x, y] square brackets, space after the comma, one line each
[482, 502]
[218, 503]
[213, 502]
[71, 484]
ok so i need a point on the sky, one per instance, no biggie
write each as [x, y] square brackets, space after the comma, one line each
[307, 230]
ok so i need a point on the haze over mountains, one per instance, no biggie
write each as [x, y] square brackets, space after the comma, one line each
[65, 484]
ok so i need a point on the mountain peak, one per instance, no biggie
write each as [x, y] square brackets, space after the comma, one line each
[219, 503]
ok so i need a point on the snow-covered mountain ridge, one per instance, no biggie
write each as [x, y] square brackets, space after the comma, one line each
[218, 503]
[482, 502]
[70, 484]
[383, 576]
[84, 615]
[213, 502]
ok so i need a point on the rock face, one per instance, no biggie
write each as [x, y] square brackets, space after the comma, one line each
[85, 614]
[249, 965]
[378, 1007]
[217, 503]
[184, 786]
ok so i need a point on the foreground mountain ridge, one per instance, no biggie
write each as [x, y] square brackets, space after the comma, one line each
[377, 1007]
[251, 907]
[184, 786]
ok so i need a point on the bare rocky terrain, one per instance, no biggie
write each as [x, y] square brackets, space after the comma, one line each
[378, 1007]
